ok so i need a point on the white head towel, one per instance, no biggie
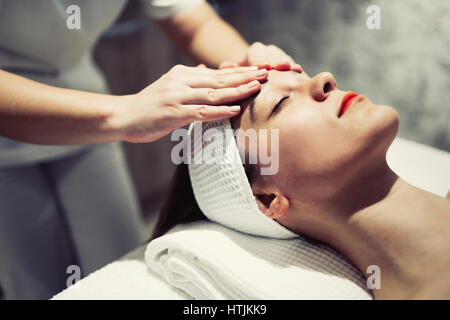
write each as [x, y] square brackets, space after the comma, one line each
[221, 189]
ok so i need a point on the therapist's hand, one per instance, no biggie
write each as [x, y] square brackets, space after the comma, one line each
[265, 56]
[183, 95]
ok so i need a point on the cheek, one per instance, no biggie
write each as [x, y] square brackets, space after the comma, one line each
[319, 154]
[308, 140]
[377, 124]
[316, 155]
[369, 134]
[309, 157]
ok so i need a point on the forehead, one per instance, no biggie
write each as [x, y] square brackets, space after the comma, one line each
[282, 79]
[278, 82]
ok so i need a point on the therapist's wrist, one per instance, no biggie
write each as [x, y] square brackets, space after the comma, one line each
[114, 112]
[129, 116]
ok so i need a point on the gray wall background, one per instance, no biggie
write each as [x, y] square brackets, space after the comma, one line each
[405, 64]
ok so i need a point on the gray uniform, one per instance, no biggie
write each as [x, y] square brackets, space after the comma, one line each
[61, 205]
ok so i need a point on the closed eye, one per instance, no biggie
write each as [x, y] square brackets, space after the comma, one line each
[278, 106]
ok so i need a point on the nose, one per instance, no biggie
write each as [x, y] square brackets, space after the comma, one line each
[321, 85]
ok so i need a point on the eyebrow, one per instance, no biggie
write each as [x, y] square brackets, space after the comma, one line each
[251, 106]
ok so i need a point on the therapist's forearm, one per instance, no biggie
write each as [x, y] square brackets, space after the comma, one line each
[212, 50]
[204, 36]
[37, 113]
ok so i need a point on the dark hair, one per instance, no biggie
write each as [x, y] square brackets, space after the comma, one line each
[180, 205]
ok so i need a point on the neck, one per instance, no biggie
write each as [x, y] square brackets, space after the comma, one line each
[393, 226]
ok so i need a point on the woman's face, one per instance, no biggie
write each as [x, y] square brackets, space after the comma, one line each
[320, 150]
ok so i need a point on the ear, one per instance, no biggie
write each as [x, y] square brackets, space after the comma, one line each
[273, 205]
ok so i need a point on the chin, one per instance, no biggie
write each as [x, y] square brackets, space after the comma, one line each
[368, 150]
[386, 123]
[379, 137]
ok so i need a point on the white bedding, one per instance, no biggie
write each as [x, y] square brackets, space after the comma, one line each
[127, 278]
[212, 262]
[130, 278]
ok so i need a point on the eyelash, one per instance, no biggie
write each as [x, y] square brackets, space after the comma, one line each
[279, 104]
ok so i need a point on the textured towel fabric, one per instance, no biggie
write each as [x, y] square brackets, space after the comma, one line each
[220, 185]
[209, 261]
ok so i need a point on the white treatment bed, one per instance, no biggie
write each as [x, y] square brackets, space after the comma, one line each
[130, 278]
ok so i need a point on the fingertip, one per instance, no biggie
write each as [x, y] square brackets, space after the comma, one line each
[265, 66]
[224, 112]
[261, 74]
[234, 109]
[284, 66]
[253, 84]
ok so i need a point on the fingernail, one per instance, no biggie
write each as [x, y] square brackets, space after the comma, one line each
[297, 68]
[265, 66]
[260, 73]
[283, 67]
[253, 84]
[235, 109]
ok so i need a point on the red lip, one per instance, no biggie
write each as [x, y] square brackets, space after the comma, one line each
[346, 102]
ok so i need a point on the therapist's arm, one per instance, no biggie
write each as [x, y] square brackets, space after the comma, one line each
[37, 113]
[204, 36]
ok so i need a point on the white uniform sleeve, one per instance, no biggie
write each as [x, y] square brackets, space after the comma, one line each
[161, 9]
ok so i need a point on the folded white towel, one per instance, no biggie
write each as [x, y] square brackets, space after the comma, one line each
[209, 261]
